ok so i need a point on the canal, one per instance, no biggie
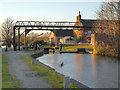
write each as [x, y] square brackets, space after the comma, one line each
[91, 70]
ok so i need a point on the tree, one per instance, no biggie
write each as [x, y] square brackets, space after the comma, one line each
[22, 39]
[33, 35]
[107, 18]
[7, 30]
[108, 11]
[107, 22]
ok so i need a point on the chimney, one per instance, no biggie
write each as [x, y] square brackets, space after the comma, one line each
[79, 17]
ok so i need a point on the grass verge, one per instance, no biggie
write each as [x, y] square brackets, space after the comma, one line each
[52, 77]
[73, 47]
[7, 80]
[66, 48]
[32, 51]
[0, 70]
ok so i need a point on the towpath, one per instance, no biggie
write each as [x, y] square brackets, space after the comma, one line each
[20, 70]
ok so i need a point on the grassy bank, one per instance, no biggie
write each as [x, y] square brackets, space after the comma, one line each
[7, 80]
[0, 70]
[74, 47]
[106, 51]
[32, 51]
[52, 77]
[64, 48]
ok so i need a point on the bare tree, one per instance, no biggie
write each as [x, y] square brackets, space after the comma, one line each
[33, 36]
[107, 18]
[7, 30]
[108, 11]
[108, 21]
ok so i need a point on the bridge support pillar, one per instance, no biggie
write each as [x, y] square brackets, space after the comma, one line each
[14, 44]
[19, 39]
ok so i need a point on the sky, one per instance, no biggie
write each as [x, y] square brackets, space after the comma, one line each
[48, 10]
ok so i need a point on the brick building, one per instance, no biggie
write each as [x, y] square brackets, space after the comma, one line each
[84, 33]
[61, 36]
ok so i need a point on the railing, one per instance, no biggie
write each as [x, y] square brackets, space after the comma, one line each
[44, 23]
[48, 25]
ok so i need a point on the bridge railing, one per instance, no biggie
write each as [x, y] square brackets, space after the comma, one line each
[44, 23]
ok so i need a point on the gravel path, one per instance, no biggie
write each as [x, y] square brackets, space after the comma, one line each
[20, 70]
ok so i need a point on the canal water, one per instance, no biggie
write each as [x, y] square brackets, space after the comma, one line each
[91, 70]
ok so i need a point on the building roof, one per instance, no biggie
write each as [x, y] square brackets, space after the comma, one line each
[45, 35]
[68, 37]
[63, 33]
[88, 22]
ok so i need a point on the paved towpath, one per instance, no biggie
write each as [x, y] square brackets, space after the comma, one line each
[20, 70]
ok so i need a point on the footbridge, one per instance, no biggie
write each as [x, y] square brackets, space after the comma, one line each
[27, 26]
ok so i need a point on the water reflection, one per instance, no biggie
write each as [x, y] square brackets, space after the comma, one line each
[93, 65]
[92, 70]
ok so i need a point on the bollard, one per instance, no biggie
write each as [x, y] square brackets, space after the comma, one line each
[66, 82]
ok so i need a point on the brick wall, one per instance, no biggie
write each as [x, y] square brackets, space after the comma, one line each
[105, 42]
[102, 39]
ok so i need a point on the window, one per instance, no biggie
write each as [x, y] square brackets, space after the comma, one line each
[86, 32]
[89, 32]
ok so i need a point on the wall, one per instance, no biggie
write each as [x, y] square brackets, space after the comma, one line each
[52, 35]
[102, 39]
[104, 44]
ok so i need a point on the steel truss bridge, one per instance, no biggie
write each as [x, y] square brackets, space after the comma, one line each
[27, 26]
